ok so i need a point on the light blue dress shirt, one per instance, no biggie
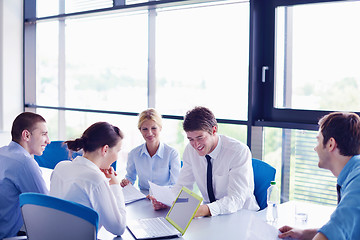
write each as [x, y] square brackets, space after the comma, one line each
[163, 168]
[345, 221]
[19, 173]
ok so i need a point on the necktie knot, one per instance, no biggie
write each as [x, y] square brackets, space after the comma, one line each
[207, 157]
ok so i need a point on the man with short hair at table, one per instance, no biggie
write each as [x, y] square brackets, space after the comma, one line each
[338, 150]
[220, 166]
[19, 172]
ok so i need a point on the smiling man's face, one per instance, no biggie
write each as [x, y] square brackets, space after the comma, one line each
[202, 141]
[38, 139]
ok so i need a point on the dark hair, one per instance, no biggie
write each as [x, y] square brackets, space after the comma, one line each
[199, 118]
[345, 129]
[24, 121]
[97, 135]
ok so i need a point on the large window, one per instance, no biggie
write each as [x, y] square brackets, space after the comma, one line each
[311, 56]
[107, 62]
[103, 64]
[269, 69]
[202, 58]
[317, 56]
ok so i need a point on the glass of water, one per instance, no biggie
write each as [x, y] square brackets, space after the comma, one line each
[301, 215]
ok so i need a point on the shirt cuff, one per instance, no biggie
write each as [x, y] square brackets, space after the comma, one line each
[214, 208]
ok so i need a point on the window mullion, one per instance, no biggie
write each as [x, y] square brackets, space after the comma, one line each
[151, 58]
[61, 73]
[29, 49]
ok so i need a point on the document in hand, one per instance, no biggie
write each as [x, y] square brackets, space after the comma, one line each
[162, 194]
[131, 194]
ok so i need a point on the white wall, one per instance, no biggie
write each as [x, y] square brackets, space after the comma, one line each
[11, 57]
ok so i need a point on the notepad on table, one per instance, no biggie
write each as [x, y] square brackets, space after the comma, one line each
[132, 194]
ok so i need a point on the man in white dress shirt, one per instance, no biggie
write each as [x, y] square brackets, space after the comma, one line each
[227, 185]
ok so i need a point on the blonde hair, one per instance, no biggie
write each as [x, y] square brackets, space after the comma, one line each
[150, 114]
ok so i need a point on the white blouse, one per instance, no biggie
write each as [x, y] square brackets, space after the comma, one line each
[83, 182]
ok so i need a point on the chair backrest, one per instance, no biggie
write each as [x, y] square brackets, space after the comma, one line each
[263, 175]
[46, 217]
[56, 152]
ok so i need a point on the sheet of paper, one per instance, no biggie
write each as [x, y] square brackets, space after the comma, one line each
[162, 194]
[132, 194]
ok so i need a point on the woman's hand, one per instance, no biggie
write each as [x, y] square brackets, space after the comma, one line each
[110, 173]
[124, 182]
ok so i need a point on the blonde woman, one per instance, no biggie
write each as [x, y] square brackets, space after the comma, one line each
[154, 160]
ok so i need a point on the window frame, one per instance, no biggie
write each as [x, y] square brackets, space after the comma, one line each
[263, 54]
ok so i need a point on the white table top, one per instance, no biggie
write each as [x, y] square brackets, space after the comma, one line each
[318, 214]
[239, 225]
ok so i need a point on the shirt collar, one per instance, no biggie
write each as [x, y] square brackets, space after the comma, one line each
[84, 161]
[348, 167]
[217, 149]
[159, 152]
[20, 148]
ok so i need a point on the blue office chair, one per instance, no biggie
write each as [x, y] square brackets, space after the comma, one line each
[55, 152]
[47, 217]
[263, 175]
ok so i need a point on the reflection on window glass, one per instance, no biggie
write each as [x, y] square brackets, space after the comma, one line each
[293, 151]
[106, 63]
[78, 122]
[81, 5]
[52, 122]
[317, 54]
[47, 63]
[238, 132]
[202, 57]
[272, 150]
[173, 134]
[47, 8]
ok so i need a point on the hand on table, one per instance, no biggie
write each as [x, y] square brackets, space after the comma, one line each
[301, 234]
[203, 211]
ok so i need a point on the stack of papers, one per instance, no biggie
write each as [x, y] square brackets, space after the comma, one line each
[132, 194]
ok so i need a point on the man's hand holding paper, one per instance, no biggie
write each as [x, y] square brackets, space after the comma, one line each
[161, 197]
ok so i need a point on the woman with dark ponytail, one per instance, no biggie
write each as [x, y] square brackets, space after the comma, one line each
[90, 180]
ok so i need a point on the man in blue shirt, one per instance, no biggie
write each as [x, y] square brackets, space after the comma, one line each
[19, 172]
[338, 150]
